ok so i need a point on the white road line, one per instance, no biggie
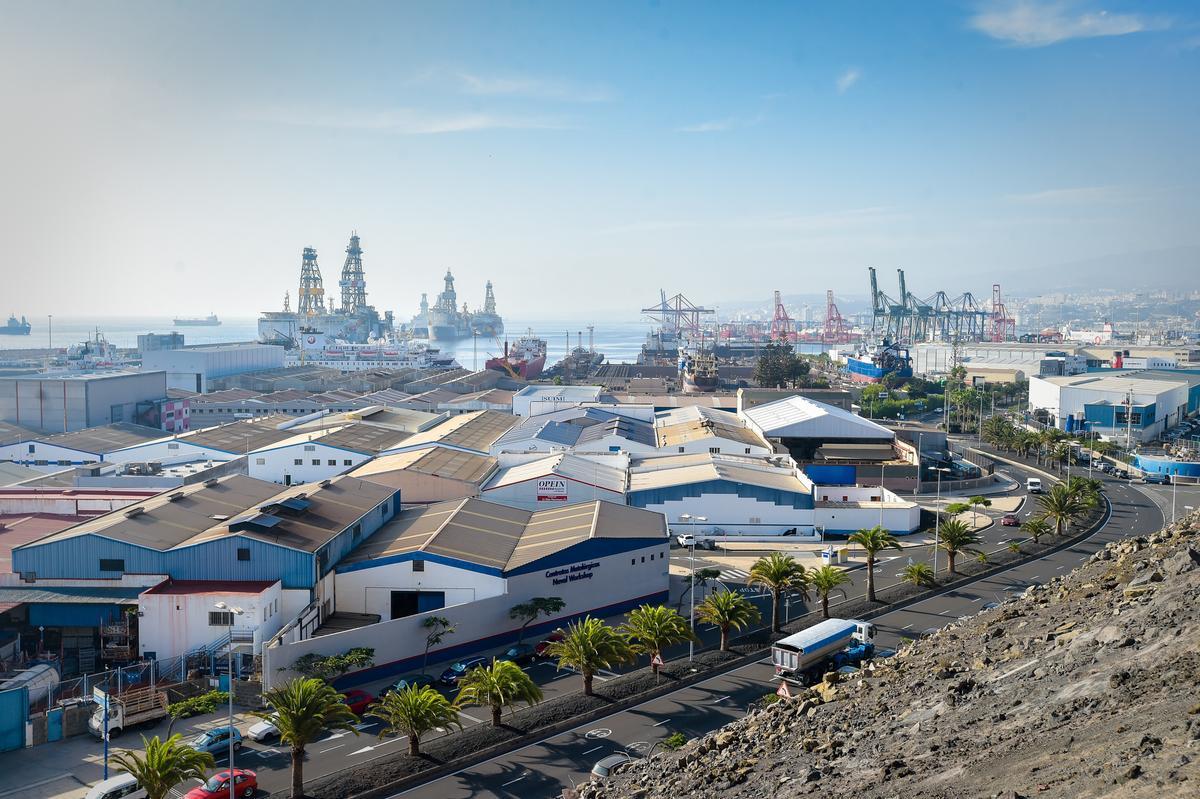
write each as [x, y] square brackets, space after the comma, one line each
[976, 599]
[944, 612]
[472, 718]
[905, 627]
[330, 749]
[593, 749]
[510, 782]
[659, 724]
[607, 673]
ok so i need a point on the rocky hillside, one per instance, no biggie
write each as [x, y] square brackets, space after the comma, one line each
[1088, 686]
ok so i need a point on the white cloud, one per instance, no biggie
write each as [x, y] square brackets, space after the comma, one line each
[532, 87]
[848, 79]
[1083, 195]
[1038, 23]
[720, 125]
[406, 121]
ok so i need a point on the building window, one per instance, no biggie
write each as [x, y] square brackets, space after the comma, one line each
[347, 462]
[643, 558]
[714, 450]
[310, 448]
[333, 462]
[756, 520]
[220, 618]
[243, 553]
[681, 449]
[651, 557]
[31, 448]
[298, 462]
[747, 450]
[41, 463]
[316, 461]
[260, 461]
[112, 565]
[172, 446]
[633, 561]
[418, 565]
[64, 463]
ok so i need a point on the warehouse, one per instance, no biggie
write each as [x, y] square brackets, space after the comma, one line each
[802, 426]
[220, 443]
[432, 474]
[474, 432]
[66, 401]
[536, 400]
[578, 430]
[697, 430]
[310, 456]
[192, 368]
[108, 443]
[556, 480]
[235, 528]
[1115, 405]
[471, 561]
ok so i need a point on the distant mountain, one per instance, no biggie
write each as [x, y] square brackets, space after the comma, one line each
[1171, 268]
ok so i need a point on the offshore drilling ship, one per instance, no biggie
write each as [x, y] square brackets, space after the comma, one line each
[353, 320]
[445, 321]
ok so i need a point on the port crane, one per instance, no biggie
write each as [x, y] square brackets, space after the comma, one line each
[678, 314]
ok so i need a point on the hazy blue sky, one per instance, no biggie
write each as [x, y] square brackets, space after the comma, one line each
[176, 157]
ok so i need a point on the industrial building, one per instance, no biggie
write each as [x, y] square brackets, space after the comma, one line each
[579, 429]
[176, 617]
[430, 474]
[192, 368]
[557, 480]
[1140, 405]
[476, 432]
[935, 359]
[66, 401]
[697, 429]
[802, 426]
[470, 561]
[103, 443]
[539, 399]
[310, 456]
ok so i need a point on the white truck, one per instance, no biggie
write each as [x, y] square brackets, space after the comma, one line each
[135, 706]
[842, 641]
[1033, 485]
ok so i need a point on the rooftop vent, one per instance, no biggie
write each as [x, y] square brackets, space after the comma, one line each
[138, 511]
[210, 482]
[176, 496]
[325, 483]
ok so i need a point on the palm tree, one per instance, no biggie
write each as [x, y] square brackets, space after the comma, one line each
[955, 537]
[1060, 506]
[588, 646]
[778, 573]
[701, 578]
[302, 709]
[414, 711]
[725, 610]
[1037, 527]
[955, 508]
[873, 541]
[652, 628]
[826, 580]
[437, 628]
[978, 502]
[164, 765]
[918, 574]
[500, 685]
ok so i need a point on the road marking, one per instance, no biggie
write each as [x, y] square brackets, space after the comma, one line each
[976, 599]
[593, 749]
[330, 749]
[1060, 568]
[659, 724]
[905, 627]
[944, 612]
[472, 718]
[599, 732]
[607, 673]
[510, 782]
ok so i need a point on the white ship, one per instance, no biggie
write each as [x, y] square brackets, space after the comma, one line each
[316, 350]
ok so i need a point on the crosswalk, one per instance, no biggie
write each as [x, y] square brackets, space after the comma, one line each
[734, 575]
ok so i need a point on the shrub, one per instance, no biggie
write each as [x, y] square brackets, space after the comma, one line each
[197, 705]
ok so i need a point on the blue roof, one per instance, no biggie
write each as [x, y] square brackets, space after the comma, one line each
[560, 433]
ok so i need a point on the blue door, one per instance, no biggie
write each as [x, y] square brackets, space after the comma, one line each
[14, 711]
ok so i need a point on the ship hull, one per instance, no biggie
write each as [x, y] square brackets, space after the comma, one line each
[447, 333]
[861, 371]
[19, 331]
[526, 370]
[694, 384]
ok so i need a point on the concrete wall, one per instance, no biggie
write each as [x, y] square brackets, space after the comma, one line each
[729, 513]
[617, 585]
[370, 590]
[279, 465]
[842, 519]
[172, 624]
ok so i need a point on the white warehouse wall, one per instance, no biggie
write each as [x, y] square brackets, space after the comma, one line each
[370, 590]
[278, 464]
[526, 494]
[172, 624]
[729, 513]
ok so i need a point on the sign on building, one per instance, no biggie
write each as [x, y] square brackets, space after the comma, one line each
[551, 489]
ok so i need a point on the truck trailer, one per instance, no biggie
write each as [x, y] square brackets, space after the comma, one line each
[836, 642]
[134, 707]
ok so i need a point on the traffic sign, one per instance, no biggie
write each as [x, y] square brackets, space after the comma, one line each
[656, 660]
[783, 690]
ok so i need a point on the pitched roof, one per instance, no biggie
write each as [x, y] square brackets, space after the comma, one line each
[503, 538]
[105, 438]
[475, 431]
[563, 464]
[800, 417]
[244, 436]
[695, 423]
[701, 468]
[451, 464]
[15, 434]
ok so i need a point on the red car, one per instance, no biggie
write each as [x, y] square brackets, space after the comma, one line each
[245, 783]
[358, 701]
[1010, 520]
[539, 649]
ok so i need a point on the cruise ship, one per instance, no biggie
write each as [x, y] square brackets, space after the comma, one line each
[344, 356]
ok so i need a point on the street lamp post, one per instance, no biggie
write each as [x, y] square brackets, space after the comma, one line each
[687, 517]
[233, 612]
[937, 525]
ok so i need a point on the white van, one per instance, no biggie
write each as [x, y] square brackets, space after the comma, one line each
[122, 786]
[1033, 485]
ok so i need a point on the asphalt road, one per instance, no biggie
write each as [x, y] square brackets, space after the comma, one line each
[545, 768]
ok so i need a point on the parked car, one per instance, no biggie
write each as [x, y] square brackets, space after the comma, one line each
[990, 605]
[539, 649]
[413, 680]
[245, 784]
[358, 701]
[1010, 520]
[456, 671]
[1123, 474]
[122, 786]
[263, 730]
[686, 540]
[1157, 479]
[519, 654]
[609, 765]
[216, 741]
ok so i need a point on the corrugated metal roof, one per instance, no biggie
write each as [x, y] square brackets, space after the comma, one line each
[70, 594]
[106, 438]
[800, 417]
[563, 464]
[246, 436]
[364, 438]
[504, 538]
[452, 464]
[15, 434]
[687, 469]
[686, 425]
[476, 431]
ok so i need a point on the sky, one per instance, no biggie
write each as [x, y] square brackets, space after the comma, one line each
[175, 158]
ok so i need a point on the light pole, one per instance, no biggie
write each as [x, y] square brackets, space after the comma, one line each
[937, 525]
[233, 612]
[687, 517]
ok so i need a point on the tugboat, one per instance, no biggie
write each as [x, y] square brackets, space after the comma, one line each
[15, 328]
[699, 372]
[872, 365]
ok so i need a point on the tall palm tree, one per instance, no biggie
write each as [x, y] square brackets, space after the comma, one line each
[826, 580]
[778, 573]
[918, 574]
[726, 610]
[500, 685]
[652, 628]
[1061, 506]
[414, 711]
[164, 765]
[954, 538]
[588, 646]
[873, 541]
[700, 578]
[978, 502]
[302, 709]
[1037, 527]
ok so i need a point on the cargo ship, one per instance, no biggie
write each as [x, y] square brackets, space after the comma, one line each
[15, 328]
[699, 372]
[524, 359]
[206, 321]
[873, 366]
